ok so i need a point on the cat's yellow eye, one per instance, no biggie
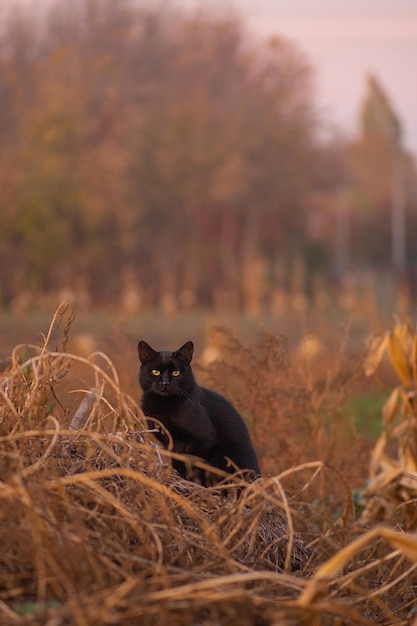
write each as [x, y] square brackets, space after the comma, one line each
[176, 373]
[156, 372]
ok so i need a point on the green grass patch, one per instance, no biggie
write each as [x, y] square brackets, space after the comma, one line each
[366, 409]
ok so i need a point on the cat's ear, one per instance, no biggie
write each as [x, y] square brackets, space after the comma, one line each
[186, 352]
[146, 353]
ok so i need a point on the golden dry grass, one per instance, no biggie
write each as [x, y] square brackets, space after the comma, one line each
[96, 529]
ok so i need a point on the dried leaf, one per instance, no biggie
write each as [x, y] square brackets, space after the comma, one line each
[397, 350]
[377, 347]
[326, 573]
[408, 401]
[405, 542]
[400, 429]
[389, 410]
[409, 481]
[404, 332]
[376, 485]
[409, 463]
[414, 360]
[377, 454]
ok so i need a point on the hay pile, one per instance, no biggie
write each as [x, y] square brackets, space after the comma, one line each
[96, 529]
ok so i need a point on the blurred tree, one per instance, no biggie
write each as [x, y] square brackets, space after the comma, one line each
[224, 157]
[140, 138]
[382, 171]
[378, 118]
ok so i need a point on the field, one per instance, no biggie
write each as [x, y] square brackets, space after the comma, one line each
[96, 529]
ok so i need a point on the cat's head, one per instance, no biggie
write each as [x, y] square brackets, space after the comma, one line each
[166, 373]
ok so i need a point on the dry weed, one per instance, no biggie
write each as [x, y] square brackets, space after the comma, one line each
[96, 529]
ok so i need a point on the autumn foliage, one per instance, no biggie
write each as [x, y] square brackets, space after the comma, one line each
[139, 144]
[150, 157]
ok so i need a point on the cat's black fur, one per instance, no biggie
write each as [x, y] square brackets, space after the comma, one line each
[201, 422]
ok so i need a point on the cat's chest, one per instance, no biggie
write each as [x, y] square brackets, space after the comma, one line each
[170, 408]
[182, 419]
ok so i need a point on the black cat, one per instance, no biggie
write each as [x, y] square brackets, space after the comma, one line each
[201, 422]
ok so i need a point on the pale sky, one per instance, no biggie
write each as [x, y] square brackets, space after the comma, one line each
[344, 41]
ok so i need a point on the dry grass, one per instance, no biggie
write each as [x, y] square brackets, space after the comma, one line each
[96, 529]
